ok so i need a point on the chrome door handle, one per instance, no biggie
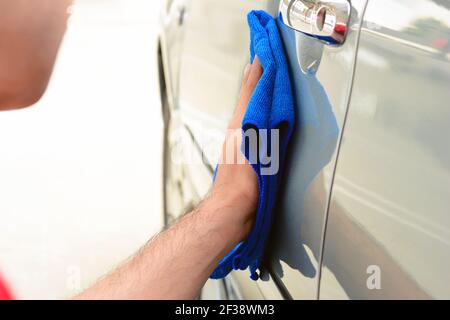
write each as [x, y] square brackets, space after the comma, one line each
[326, 20]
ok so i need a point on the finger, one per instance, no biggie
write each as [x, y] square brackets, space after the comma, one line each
[246, 73]
[254, 76]
[247, 70]
[248, 88]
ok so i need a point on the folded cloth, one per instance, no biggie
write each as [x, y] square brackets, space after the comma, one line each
[270, 113]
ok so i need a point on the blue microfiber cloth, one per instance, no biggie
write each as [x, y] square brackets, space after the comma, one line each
[271, 107]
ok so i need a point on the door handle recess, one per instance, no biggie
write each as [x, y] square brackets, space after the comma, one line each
[325, 20]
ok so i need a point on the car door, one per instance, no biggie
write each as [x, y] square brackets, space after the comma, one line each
[213, 56]
[215, 51]
[388, 231]
[322, 78]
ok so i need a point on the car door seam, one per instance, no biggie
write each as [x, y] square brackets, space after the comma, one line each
[349, 98]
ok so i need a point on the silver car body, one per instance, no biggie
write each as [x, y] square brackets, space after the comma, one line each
[364, 210]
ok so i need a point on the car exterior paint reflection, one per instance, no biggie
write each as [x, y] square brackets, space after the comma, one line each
[390, 198]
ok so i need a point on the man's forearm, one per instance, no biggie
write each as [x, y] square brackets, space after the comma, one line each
[176, 264]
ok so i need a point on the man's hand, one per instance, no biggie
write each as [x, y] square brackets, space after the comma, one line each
[178, 262]
[236, 182]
